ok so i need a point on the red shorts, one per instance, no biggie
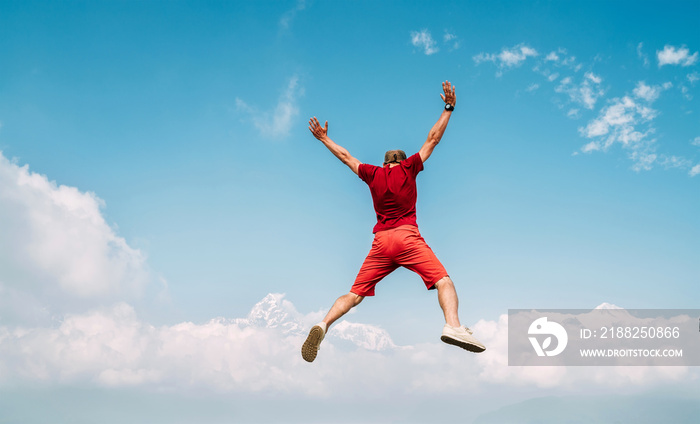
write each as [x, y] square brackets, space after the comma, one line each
[400, 246]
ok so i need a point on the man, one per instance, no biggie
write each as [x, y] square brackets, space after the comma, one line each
[397, 241]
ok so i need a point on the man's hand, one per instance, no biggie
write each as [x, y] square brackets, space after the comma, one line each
[449, 96]
[317, 130]
[321, 133]
[435, 134]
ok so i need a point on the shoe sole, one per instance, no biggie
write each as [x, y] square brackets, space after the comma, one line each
[464, 345]
[309, 349]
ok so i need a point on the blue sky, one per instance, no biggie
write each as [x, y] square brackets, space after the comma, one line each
[155, 155]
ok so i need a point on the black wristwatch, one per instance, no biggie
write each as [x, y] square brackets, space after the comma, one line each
[449, 107]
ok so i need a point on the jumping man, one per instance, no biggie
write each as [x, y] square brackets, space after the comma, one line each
[397, 241]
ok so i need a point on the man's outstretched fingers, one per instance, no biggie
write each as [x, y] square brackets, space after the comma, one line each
[314, 125]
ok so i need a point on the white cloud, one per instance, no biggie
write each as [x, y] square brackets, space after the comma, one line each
[686, 93]
[619, 122]
[516, 55]
[56, 247]
[625, 120]
[423, 40]
[363, 335]
[586, 93]
[552, 56]
[114, 347]
[452, 39]
[694, 170]
[643, 56]
[643, 159]
[278, 122]
[646, 92]
[591, 147]
[507, 58]
[695, 141]
[561, 59]
[484, 57]
[288, 17]
[674, 162]
[593, 78]
[671, 55]
[628, 121]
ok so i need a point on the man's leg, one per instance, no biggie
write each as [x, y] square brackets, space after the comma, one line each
[447, 297]
[453, 333]
[341, 307]
[376, 266]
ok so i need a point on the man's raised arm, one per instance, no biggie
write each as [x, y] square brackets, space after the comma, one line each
[321, 133]
[439, 128]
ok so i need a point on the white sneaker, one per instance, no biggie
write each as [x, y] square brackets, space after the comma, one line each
[462, 337]
[309, 349]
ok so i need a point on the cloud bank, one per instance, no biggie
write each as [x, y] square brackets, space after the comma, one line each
[113, 347]
[57, 249]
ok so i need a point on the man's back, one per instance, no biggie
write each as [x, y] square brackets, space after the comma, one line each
[393, 192]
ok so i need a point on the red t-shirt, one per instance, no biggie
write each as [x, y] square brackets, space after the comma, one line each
[393, 191]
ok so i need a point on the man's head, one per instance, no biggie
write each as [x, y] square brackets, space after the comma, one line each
[394, 156]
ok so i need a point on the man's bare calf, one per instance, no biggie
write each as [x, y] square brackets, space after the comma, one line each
[341, 307]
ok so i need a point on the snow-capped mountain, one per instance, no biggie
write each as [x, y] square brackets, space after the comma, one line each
[605, 314]
[273, 311]
[606, 305]
[366, 336]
